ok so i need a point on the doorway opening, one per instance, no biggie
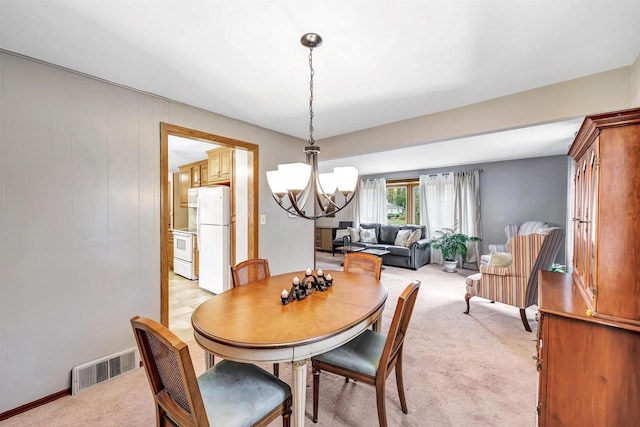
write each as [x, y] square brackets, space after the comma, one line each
[244, 201]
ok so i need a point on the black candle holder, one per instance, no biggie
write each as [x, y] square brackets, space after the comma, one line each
[286, 300]
[309, 283]
[306, 287]
[322, 283]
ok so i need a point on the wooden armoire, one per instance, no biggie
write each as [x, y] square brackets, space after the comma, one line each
[588, 344]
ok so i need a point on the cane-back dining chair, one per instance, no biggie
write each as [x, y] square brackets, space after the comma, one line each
[371, 356]
[227, 394]
[249, 271]
[363, 263]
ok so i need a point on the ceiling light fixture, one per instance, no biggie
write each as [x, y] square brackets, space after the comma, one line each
[299, 180]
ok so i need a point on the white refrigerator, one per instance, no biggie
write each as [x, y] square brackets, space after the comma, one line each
[213, 238]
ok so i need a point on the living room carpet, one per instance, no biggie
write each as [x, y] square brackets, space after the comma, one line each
[470, 370]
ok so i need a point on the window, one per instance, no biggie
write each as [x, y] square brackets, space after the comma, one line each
[400, 208]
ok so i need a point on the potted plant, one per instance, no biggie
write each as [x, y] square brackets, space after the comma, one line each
[451, 244]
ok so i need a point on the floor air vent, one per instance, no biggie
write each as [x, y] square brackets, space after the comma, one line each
[96, 371]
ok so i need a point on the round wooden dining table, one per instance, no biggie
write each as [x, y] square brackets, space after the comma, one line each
[250, 324]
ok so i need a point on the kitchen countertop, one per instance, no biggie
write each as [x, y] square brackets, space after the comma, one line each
[183, 230]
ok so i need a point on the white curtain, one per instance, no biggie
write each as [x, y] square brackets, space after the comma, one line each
[436, 206]
[423, 191]
[371, 201]
[467, 212]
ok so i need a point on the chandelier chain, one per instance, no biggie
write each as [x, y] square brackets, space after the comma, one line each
[311, 72]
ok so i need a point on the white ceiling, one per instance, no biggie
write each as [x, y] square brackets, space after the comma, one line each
[183, 151]
[381, 61]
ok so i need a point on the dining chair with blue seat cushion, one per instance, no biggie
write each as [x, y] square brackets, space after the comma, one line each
[371, 356]
[249, 271]
[227, 394]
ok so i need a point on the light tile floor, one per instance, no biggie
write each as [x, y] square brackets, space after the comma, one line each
[184, 297]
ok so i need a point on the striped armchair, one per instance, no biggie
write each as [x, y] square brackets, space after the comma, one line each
[529, 227]
[517, 284]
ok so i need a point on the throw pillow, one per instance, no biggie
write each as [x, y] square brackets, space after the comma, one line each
[341, 233]
[500, 259]
[413, 237]
[401, 237]
[354, 233]
[368, 235]
[388, 234]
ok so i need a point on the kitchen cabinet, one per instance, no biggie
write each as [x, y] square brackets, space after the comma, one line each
[324, 238]
[192, 175]
[195, 176]
[204, 173]
[200, 174]
[185, 185]
[220, 161]
[589, 330]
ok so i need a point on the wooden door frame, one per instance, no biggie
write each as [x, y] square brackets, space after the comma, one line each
[167, 129]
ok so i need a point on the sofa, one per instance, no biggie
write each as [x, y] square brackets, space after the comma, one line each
[338, 239]
[413, 253]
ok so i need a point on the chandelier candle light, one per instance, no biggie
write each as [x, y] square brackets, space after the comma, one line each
[297, 181]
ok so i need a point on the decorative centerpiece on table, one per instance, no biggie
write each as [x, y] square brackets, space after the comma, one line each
[300, 289]
[451, 244]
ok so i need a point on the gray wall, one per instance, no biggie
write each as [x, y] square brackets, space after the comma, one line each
[80, 218]
[510, 192]
[521, 190]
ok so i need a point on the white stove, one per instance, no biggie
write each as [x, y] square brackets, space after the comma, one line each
[183, 254]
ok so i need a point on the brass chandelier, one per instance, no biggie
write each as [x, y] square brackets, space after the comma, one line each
[293, 183]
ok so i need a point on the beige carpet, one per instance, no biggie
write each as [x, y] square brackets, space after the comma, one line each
[460, 370]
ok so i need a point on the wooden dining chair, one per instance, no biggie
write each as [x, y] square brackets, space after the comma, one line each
[363, 263]
[228, 394]
[371, 356]
[250, 271]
